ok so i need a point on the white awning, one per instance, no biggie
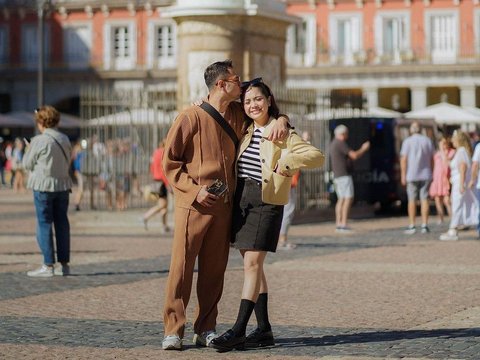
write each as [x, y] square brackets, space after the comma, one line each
[445, 113]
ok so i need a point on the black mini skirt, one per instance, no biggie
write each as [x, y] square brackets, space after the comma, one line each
[255, 224]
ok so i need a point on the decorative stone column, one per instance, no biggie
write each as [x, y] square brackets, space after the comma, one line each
[419, 97]
[250, 32]
[467, 95]
[372, 96]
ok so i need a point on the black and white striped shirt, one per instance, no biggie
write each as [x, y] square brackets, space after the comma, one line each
[249, 165]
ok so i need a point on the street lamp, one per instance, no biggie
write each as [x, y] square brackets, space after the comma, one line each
[42, 7]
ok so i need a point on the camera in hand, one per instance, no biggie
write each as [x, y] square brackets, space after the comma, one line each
[217, 188]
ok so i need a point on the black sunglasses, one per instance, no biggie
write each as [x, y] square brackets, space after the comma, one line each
[255, 81]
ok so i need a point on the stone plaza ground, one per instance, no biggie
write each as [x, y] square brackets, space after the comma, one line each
[373, 294]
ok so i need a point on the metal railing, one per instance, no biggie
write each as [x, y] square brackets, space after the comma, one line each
[404, 56]
[123, 128]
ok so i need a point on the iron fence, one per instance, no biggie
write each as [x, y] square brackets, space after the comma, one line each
[124, 127]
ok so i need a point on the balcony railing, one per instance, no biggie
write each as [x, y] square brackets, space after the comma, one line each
[418, 55]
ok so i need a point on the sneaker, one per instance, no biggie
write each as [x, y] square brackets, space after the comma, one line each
[164, 230]
[42, 271]
[205, 338]
[172, 342]
[410, 230]
[63, 270]
[450, 235]
[144, 222]
[425, 229]
[286, 246]
[343, 230]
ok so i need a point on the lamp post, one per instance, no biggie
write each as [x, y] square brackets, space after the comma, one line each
[42, 6]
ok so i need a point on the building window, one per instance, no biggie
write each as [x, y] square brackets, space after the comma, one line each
[442, 35]
[77, 43]
[3, 45]
[448, 94]
[392, 38]
[301, 41]
[120, 49]
[346, 39]
[121, 42]
[30, 48]
[162, 45]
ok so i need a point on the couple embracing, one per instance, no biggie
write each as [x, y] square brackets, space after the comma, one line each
[253, 153]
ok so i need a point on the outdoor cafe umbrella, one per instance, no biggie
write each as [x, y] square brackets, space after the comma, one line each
[7, 121]
[27, 119]
[445, 114]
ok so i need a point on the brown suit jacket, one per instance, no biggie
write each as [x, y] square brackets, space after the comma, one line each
[198, 151]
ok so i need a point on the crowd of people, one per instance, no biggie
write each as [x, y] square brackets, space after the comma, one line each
[12, 172]
[449, 176]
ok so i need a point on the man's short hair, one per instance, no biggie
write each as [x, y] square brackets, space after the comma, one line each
[340, 129]
[415, 128]
[216, 70]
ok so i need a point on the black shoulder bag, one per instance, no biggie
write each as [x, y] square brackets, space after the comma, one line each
[220, 121]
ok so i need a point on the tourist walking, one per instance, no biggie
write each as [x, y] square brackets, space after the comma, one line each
[159, 187]
[440, 186]
[464, 203]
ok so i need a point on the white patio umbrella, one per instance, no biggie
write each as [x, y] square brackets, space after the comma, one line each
[376, 111]
[134, 117]
[444, 113]
[473, 110]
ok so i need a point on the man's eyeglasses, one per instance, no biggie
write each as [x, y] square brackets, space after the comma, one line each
[235, 79]
[247, 84]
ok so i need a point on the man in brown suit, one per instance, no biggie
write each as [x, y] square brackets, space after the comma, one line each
[197, 152]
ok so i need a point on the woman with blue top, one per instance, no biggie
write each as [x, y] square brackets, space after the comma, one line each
[48, 160]
[264, 176]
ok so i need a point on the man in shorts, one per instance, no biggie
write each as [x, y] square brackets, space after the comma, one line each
[341, 156]
[416, 163]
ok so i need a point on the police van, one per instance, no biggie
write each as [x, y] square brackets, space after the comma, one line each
[376, 175]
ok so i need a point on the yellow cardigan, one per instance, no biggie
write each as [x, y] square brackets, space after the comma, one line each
[289, 155]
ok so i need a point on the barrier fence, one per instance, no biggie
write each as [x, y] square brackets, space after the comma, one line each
[124, 126]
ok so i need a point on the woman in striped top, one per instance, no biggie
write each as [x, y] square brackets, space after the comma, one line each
[265, 171]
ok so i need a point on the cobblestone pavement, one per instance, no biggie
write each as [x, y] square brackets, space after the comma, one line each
[373, 294]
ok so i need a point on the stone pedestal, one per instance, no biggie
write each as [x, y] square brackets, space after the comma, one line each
[252, 33]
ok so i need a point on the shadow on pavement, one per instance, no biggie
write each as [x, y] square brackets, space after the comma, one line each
[377, 336]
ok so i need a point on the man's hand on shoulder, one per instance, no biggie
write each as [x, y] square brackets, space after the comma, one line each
[279, 130]
[204, 198]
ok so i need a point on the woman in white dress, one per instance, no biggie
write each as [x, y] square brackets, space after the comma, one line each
[464, 203]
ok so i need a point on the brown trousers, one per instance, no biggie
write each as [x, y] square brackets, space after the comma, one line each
[205, 236]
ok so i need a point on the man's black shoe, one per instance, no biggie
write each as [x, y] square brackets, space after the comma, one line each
[259, 338]
[228, 341]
